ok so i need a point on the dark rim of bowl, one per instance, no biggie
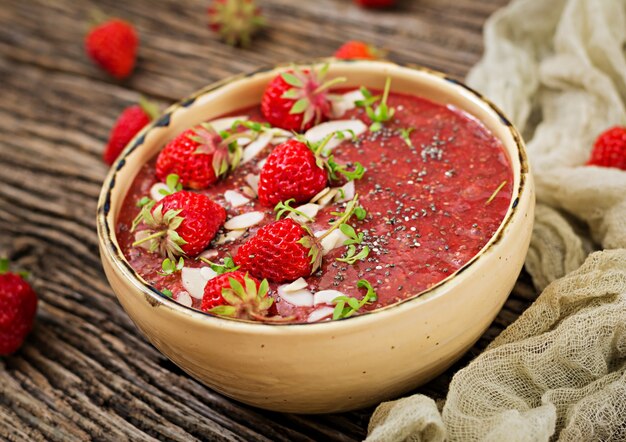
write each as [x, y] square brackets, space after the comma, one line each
[157, 298]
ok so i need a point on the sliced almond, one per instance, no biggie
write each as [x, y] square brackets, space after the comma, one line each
[332, 193]
[221, 124]
[209, 254]
[244, 141]
[254, 148]
[247, 191]
[309, 210]
[229, 236]
[261, 163]
[155, 193]
[319, 132]
[298, 284]
[208, 273]
[334, 239]
[193, 281]
[320, 194]
[244, 221]
[326, 296]
[143, 234]
[235, 199]
[345, 192]
[184, 299]
[253, 181]
[299, 298]
[320, 313]
[346, 102]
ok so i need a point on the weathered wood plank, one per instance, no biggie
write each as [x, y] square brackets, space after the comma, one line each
[86, 372]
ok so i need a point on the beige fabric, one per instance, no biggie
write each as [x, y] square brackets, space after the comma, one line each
[557, 68]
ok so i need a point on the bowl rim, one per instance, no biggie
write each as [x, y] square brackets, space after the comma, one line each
[156, 298]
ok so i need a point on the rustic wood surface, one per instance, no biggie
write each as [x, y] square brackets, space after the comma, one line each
[85, 371]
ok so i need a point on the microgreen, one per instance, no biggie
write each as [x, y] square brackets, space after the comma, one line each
[352, 256]
[283, 207]
[353, 237]
[406, 135]
[382, 113]
[346, 306]
[360, 213]
[493, 195]
[228, 266]
[170, 266]
[168, 293]
[334, 168]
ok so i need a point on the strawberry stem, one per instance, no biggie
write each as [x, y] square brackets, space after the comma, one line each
[150, 108]
[4, 265]
[329, 84]
[350, 207]
[150, 237]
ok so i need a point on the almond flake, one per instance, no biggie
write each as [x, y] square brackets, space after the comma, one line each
[310, 210]
[334, 239]
[347, 192]
[254, 148]
[193, 281]
[209, 254]
[328, 197]
[247, 191]
[261, 163]
[143, 234]
[229, 236]
[320, 194]
[319, 132]
[298, 284]
[221, 124]
[326, 296]
[184, 299]
[235, 199]
[320, 313]
[346, 102]
[244, 221]
[154, 191]
[299, 298]
[253, 181]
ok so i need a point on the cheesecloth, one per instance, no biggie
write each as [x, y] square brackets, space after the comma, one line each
[558, 69]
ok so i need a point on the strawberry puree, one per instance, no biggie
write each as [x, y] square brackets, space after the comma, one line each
[427, 210]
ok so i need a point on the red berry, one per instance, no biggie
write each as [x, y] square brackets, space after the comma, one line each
[280, 251]
[131, 121]
[609, 149]
[358, 50]
[291, 171]
[18, 305]
[297, 100]
[187, 232]
[375, 3]
[113, 46]
[197, 156]
[235, 20]
[213, 289]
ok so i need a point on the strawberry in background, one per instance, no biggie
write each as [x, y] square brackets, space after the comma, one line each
[18, 305]
[375, 3]
[354, 49]
[131, 120]
[112, 45]
[609, 150]
[235, 20]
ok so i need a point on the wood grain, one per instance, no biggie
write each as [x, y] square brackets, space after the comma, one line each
[85, 372]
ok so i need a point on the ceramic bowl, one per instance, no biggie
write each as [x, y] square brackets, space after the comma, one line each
[335, 365]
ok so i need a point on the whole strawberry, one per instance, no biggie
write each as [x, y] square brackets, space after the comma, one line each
[113, 46]
[182, 223]
[609, 150]
[291, 171]
[280, 251]
[375, 3]
[18, 305]
[213, 289]
[298, 99]
[235, 20]
[358, 50]
[197, 156]
[130, 121]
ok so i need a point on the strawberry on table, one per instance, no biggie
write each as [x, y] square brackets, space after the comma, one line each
[298, 99]
[182, 223]
[609, 150]
[18, 305]
[235, 20]
[112, 45]
[291, 171]
[358, 50]
[375, 3]
[199, 156]
[130, 121]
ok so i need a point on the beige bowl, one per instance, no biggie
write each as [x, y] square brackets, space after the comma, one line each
[329, 366]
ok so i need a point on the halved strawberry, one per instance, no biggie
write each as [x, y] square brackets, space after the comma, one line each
[298, 99]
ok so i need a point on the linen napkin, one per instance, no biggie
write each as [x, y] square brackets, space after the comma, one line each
[558, 69]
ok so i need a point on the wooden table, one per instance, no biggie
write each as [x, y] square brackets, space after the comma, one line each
[85, 372]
